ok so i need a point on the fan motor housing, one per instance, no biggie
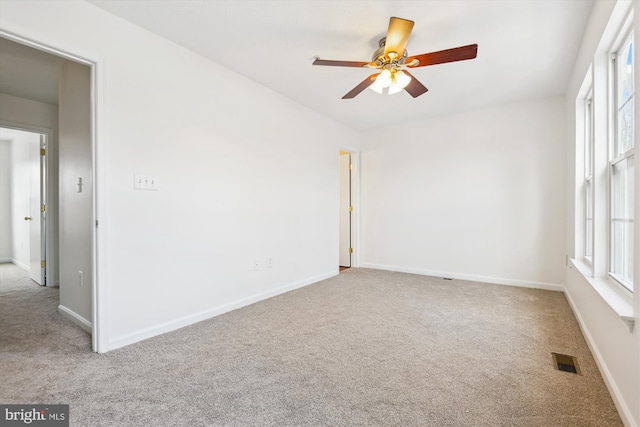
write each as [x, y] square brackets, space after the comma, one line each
[379, 58]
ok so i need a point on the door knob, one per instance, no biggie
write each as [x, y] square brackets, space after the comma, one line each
[27, 218]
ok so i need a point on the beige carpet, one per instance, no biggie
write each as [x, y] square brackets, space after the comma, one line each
[366, 348]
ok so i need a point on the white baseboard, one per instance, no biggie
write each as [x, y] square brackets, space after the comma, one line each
[76, 318]
[5, 260]
[21, 265]
[469, 277]
[207, 314]
[622, 407]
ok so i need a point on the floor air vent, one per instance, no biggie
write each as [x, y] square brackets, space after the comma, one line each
[566, 363]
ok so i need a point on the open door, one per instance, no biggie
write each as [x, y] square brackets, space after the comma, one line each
[36, 219]
[346, 210]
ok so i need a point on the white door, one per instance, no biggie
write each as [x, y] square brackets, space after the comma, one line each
[345, 210]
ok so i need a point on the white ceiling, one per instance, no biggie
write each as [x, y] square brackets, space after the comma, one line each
[29, 73]
[526, 48]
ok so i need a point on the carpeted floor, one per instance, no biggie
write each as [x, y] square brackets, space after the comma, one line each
[365, 348]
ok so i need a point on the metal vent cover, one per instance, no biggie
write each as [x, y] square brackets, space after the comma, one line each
[566, 363]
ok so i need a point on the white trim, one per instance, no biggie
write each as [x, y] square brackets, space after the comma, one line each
[21, 265]
[100, 301]
[470, 277]
[614, 391]
[357, 207]
[355, 202]
[625, 27]
[617, 298]
[207, 314]
[45, 48]
[5, 260]
[75, 318]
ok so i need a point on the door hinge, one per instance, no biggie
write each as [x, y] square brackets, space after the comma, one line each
[350, 250]
[42, 208]
[42, 151]
[43, 264]
[96, 223]
[350, 166]
[350, 208]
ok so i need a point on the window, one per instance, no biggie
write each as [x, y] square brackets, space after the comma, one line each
[605, 202]
[588, 177]
[621, 167]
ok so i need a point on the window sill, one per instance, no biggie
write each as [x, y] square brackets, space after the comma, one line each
[619, 300]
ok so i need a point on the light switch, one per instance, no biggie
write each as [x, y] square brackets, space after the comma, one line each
[145, 182]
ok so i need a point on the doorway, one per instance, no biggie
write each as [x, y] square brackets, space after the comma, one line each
[40, 80]
[346, 212]
[23, 197]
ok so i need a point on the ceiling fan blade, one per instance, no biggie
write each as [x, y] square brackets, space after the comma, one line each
[450, 55]
[414, 88]
[332, 63]
[362, 86]
[397, 37]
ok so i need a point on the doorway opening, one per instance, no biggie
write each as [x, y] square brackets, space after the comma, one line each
[346, 212]
[44, 88]
[23, 189]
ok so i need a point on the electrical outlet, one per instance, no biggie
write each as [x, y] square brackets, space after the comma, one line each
[81, 279]
[269, 262]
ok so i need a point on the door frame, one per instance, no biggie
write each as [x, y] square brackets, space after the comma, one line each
[99, 303]
[48, 239]
[43, 189]
[355, 202]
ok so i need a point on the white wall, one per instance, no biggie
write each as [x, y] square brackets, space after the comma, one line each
[20, 111]
[477, 195]
[76, 204]
[6, 233]
[37, 116]
[244, 174]
[615, 347]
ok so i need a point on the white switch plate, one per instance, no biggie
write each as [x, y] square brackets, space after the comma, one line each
[145, 182]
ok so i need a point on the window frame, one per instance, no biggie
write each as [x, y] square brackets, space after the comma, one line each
[625, 41]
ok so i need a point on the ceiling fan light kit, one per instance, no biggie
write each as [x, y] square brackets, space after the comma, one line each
[392, 78]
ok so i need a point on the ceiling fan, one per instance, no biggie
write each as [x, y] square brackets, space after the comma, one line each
[391, 57]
